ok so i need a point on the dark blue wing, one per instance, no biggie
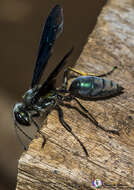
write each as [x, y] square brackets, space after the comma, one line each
[49, 84]
[52, 29]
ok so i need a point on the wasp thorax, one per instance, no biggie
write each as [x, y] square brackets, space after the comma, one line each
[29, 96]
[21, 116]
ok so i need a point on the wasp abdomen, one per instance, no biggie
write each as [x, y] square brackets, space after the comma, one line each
[94, 87]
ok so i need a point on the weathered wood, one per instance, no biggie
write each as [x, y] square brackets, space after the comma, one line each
[62, 163]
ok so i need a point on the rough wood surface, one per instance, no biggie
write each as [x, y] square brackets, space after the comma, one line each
[62, 163]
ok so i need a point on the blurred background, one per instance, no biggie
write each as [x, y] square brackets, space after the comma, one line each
[21, 25]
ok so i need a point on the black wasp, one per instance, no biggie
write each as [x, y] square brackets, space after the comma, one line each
[46, 97]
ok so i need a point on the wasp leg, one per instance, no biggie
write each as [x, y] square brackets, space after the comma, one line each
[17, 127]
[94, 120]
[91, 118]
[68, 128]
[81, 112]
[38, 130]
[92, 74]
[37, 114]
[85, 110]
[66, 77]
[65, 80]
[69, 98]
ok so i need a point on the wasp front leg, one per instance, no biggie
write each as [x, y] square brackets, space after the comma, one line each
[92, 74]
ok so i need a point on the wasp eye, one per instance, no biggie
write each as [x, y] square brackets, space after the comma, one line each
[22, 118]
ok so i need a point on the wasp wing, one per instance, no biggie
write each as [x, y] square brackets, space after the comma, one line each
[49, 84]
[52, 29]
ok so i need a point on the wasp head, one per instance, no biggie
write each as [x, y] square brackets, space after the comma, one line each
[21, 115]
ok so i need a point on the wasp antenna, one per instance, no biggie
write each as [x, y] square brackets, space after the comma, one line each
[19, 139]
[38, 130]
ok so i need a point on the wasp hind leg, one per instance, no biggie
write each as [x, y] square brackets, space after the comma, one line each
[68, 128]
[94, 120]
[87, 115]
[92, 74]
